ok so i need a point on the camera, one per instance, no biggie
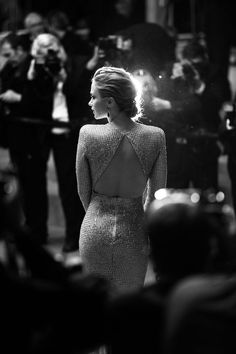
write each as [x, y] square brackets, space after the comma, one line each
[107, 43]
[47, 66]
[52, 62]
[185, 71]
[114, 47]
[188, 70]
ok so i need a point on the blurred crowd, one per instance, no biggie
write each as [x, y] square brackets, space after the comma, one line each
[45, 75]
[46, 70]
[50, 306]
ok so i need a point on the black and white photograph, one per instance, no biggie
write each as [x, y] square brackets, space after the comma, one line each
[118, 176]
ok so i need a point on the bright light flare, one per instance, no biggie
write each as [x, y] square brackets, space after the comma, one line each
[145, 82]
[161, 194]
[195, 198]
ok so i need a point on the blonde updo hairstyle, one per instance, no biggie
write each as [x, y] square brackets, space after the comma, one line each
[119, 84]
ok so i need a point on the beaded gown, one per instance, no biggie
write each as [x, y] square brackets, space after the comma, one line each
[113, 242]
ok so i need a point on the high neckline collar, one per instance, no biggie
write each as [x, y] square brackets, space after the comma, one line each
[130, 125]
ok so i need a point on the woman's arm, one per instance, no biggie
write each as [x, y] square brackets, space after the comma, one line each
[83, 175]
[158, 175]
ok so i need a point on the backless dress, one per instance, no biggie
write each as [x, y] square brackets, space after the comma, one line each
[113, 242]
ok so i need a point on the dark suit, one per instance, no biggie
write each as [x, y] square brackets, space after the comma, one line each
[32, 145]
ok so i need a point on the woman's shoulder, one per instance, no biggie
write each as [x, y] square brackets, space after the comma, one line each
[150, 129]
[91, 129]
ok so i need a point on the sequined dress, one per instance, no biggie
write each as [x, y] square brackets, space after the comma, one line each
[113, 242]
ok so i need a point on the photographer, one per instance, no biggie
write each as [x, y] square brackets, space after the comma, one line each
[211, 98]
[171, 104]
[52, 108]
[14, 50]
[186, 105]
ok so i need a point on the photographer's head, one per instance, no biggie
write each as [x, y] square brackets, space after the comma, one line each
[196, 54]
[34, 23]
[187, 235]
[14, 48]
[58, 23]
[113, 91]
[124, 7]
[48, 56]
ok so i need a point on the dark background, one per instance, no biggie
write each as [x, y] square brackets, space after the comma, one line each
[183, 11]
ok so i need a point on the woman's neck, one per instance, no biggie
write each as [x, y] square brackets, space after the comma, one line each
[120, 120]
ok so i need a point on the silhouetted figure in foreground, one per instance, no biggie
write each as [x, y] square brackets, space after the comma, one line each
[185, 240]
[201, 316]
[41, 295]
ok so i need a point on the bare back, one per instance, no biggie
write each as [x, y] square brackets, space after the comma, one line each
[120, 163]
[123, 176]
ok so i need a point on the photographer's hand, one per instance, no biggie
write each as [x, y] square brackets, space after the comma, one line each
[10, 96]
[160, 104]
[186, 71]
[97, 55]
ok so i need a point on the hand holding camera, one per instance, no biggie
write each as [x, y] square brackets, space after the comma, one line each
[93, 62]
[184, 70]
[49, 57]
